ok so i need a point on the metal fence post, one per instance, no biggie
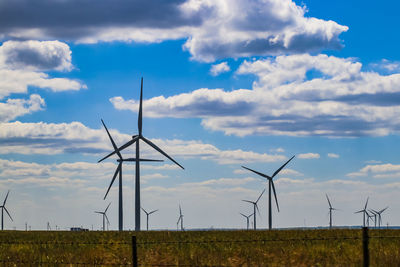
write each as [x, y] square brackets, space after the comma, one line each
[365, 240]
[134, 252]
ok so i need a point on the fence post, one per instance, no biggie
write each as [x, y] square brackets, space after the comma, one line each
[134, 252]
[365, 240]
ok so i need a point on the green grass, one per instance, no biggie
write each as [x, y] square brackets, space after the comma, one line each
[200, 248]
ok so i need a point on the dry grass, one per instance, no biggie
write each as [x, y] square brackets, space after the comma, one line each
[200, 248]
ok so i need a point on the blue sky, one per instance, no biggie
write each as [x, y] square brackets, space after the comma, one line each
[226, 83]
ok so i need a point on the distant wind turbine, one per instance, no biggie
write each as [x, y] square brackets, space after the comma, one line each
[247, 219]
[104, 216]
[270, 185]
[330, 211]
[147, 217]
[379, 213]
[135, 139]
[255, 207]
[180, 219]
[374, 214]
[364, 211]
[119, 171]
[3, 208]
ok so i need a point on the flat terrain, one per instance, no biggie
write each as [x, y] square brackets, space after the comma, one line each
[339, 247]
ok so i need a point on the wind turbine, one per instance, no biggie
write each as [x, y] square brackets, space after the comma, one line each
[374, 214]
[135, 139]
[3, 208]
[270, 184]
[364, 211]
[254, 208]
[247, 219]
[147, 215]
[330, 211]
[379, 215]
[180, 219]
[119, 171]
[104, 216]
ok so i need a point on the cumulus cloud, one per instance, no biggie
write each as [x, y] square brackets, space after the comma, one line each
[14, 108]
[217, 69]
[333, 156]
[22, 65]
[213, 29]
[308, 156]
[387, 170]
[296, 95]
[74, 137]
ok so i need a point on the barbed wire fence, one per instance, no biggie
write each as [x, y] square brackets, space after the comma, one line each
[135, 247]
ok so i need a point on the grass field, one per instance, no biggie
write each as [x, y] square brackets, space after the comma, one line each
[340, 247]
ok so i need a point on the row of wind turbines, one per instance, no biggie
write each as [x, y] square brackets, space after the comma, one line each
[137, 159]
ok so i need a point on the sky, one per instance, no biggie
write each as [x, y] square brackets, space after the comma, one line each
[227, 83]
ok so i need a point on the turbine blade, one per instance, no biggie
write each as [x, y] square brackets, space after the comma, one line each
[273, 189]
[278, 170]
[180, 210]
[107, 208]
[99, 212]
[8, 213]
[248, 201]
[159, 150]
[366, 203]
[144, 210]
[140, 122]
[112, 141]
[256, 172]
[179, 219]
[257, 209]
[4, 203]
[359, 211]
[383, 209]
[242, 214]
[133, 159]
[113, 179]
[260, 196]
[330, 206]
[134, 139]
[151, 212]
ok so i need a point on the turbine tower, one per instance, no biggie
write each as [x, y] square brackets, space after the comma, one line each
[135, 139]
[330, 211]
[247, 219]
[104, 216]
[255, 206]
[180, 219]
[364, 211]
[270, 185]
[3, 208]
[147, 217]
[119, 171]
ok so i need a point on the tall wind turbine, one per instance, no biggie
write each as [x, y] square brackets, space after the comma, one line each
[379, 216]
[247, 219]
[119, 171]
[135, 139]
[104, 216]
[255, 207]
[270, 184]
[180, 219]
[364, 211]
[330, 211]
[374, 214]
[147, 216]
[3, 208]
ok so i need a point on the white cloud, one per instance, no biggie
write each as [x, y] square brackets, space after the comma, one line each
[308, 156]
[213, 29]
[14, 108]
[339, 99]
[217, 69]
[74, 137]
[333, 156]
[387, 170]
